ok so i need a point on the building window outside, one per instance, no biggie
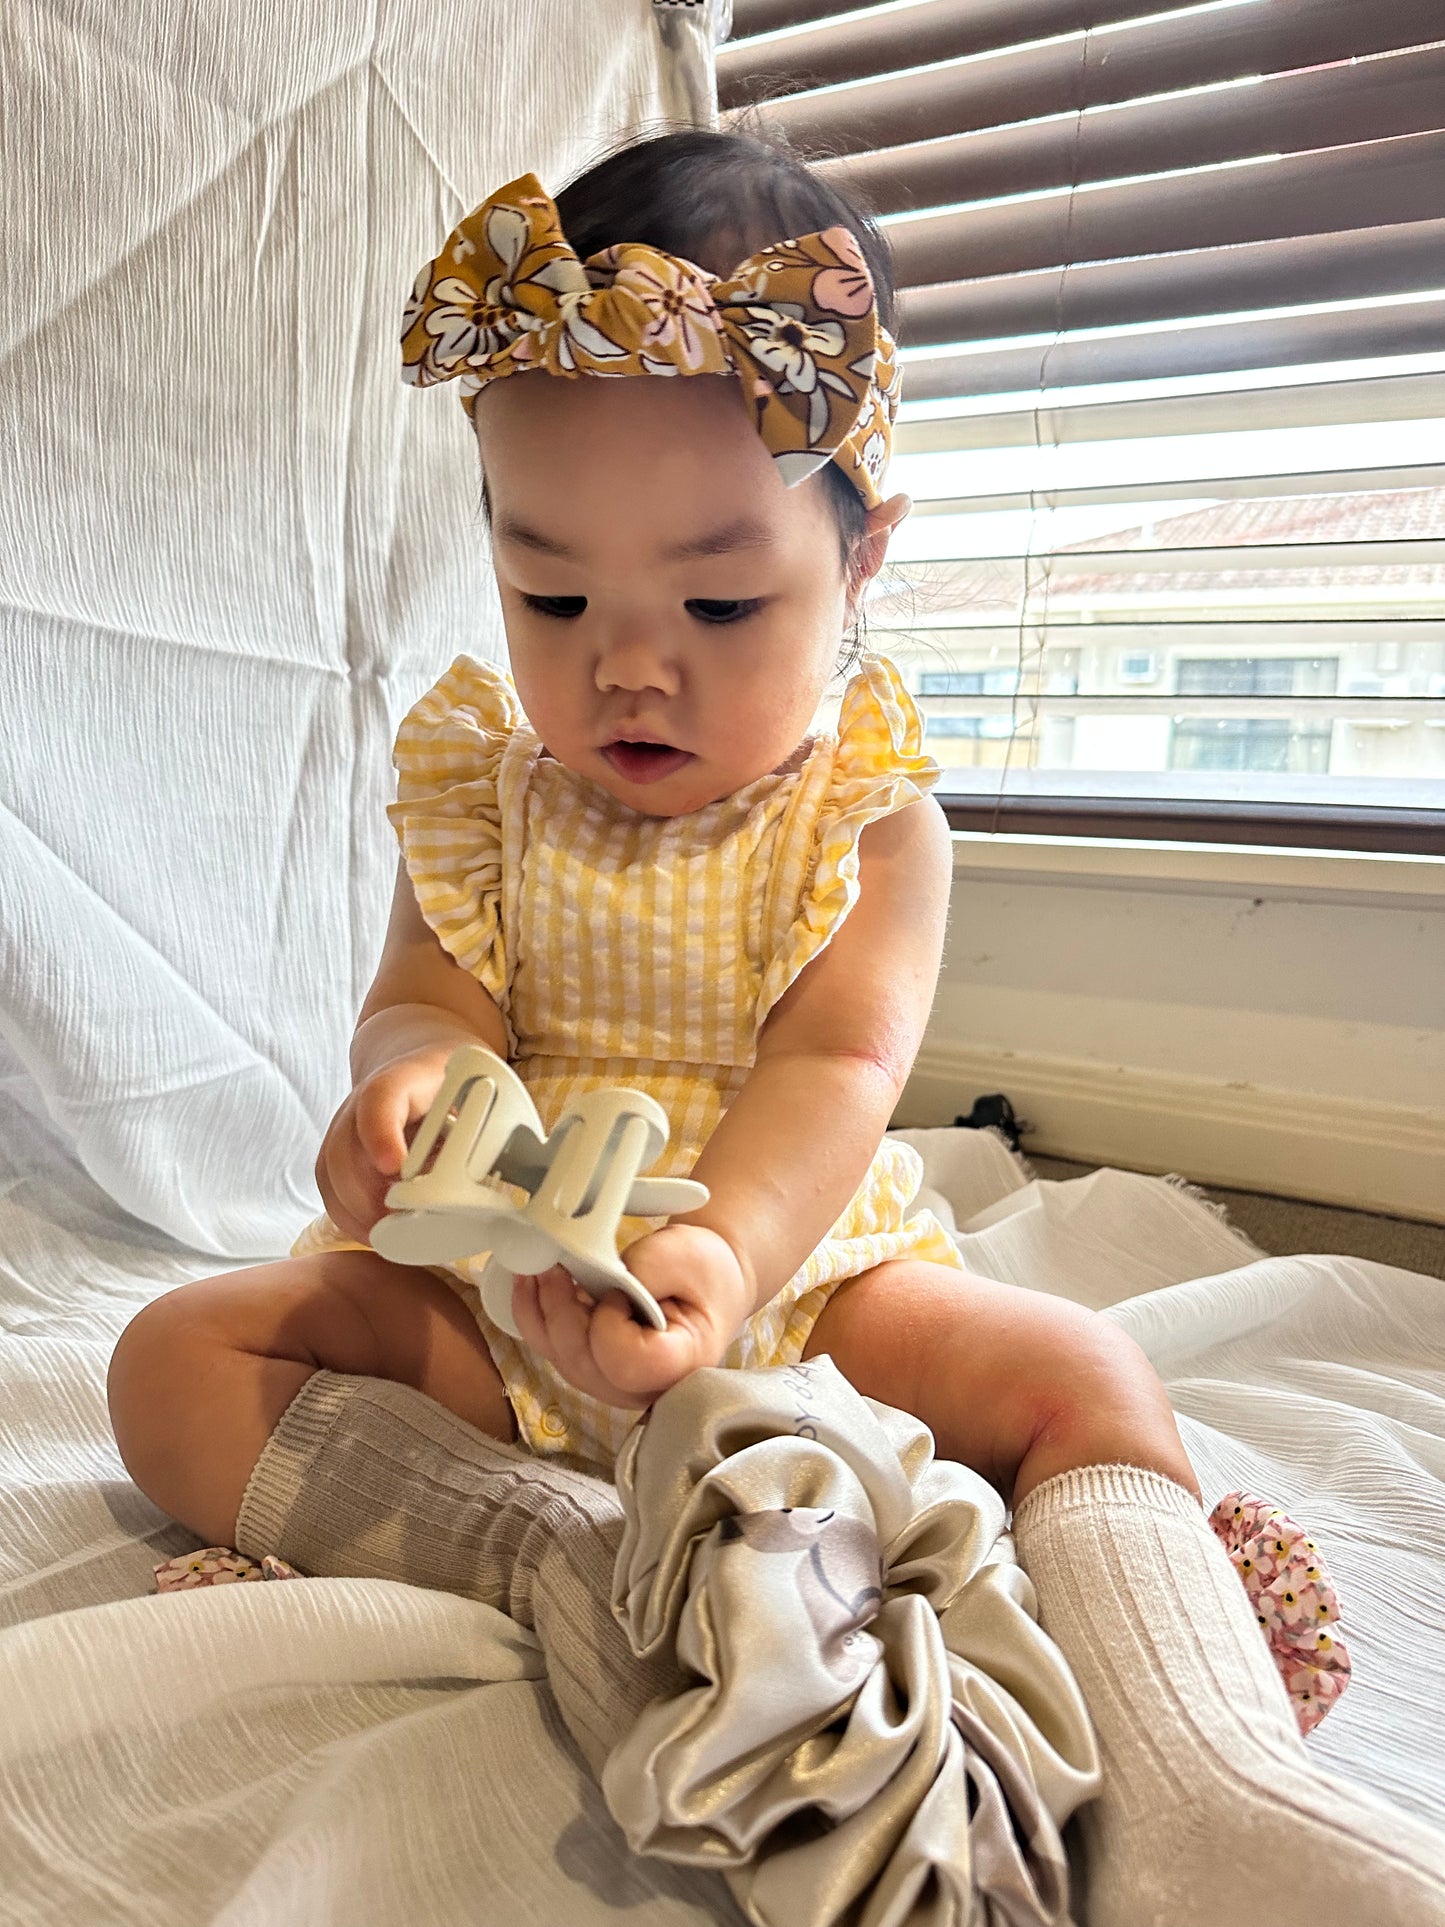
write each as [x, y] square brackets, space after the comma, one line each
[967, 682]
[1256, 675]
[1138, 666]
[1283, 746]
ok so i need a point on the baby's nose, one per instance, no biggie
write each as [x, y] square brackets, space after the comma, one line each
[637, 661]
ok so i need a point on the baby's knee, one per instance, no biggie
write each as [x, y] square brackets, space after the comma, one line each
[1068, 1362]
[1097, 1397]
[159, 1352]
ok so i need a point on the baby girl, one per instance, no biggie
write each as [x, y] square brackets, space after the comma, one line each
[635, 862]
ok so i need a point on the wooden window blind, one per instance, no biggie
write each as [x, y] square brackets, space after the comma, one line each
[1173, 317]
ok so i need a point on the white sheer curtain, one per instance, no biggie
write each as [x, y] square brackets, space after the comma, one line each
[232, 545]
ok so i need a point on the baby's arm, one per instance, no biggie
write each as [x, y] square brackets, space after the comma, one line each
[832, 1059]
[793, 1146]
[420, 1007]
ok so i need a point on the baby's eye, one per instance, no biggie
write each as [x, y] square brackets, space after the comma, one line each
[710, 609]
[563, 607]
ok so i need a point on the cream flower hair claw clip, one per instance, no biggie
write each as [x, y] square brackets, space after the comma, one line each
[482, 1134]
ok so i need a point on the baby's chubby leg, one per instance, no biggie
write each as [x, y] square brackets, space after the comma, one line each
[1014, 1383]
[201, 1377]
[1201, 1753]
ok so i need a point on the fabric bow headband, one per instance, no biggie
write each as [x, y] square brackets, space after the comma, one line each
[797, 323]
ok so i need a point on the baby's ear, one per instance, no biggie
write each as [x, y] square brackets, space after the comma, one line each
[885, 519]
[871, 548]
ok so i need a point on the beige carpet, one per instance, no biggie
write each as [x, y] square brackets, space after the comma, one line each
[1281, 1226]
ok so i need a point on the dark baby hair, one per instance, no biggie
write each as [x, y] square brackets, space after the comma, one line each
[716, 198]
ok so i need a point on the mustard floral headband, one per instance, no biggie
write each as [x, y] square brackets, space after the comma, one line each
[797, 323]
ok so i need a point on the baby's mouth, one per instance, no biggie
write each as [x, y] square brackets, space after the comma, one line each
[645, 762]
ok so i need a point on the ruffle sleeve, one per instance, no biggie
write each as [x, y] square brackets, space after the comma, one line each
[879, 766]
[447, 815]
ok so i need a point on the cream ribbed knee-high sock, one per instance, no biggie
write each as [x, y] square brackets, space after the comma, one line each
[1211, 1807]
[364, 1478]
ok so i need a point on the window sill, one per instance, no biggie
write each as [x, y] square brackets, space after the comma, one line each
[1279, 873]
[1411, 833]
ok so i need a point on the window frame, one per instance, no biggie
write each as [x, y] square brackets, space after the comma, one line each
[1319, 826]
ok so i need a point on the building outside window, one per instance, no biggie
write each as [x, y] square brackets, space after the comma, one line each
[940, 724]
[1321, 677]
[1252, 742]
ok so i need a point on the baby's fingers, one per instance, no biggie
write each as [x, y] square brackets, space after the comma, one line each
[350, 1189]
[540, 1306]
[639, 1360]
[381, 1114]
[554, 1316]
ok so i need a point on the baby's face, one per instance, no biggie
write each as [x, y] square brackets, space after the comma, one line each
[673, 613]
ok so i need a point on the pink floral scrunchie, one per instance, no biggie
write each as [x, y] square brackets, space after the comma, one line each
[1293, 1597]
[217, 1566]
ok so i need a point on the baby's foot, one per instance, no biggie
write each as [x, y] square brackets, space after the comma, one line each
[1204, 1766]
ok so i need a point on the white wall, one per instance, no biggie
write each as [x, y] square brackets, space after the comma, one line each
[1261, 1018]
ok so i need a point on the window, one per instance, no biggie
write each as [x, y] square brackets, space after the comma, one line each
[1138, 666]
[960, 723]
[1104, 629]
[1256, 676]
[1173, 323]
[1234, 742]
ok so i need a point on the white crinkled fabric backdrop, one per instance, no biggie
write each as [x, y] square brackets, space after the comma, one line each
[233, 547]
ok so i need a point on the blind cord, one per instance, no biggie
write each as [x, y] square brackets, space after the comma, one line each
[1036, 419]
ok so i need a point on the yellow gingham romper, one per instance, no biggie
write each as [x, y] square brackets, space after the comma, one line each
[646, 951]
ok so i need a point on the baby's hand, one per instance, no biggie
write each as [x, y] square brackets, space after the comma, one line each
[596, 1344]
[362, 1152]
